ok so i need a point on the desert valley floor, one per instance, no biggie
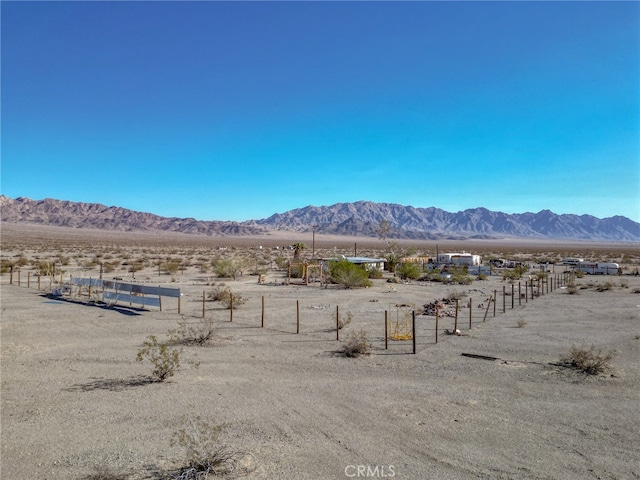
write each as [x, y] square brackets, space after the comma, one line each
[495, 402]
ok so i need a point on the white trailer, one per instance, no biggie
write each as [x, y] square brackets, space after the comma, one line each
[598, 268]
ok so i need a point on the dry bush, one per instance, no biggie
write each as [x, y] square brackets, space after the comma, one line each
[589, 360]
[635, 290]
[215, 294]
[198, 332]
[456, 295]
[603, 287]
[344, 321]
[521, 323]
[205, 455]
[355, 344]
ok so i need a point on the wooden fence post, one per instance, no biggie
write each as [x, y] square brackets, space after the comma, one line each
[337, 322]
[413, 330]
[386, 329]
[230, 307]
[437, 318]
[491, 299]
[495, 296]
[504, 299]
[455, 324]
[262, 316]
[512, 294]
[297, 316]
[470, 312]
[203, 304]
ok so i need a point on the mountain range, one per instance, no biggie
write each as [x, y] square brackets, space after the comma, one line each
[354, 219]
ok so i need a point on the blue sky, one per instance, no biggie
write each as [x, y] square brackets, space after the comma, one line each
[238, 110]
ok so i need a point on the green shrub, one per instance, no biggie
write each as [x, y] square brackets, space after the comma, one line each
[408, 270]
[165, 362]
[347, 274]
[228, 267]
[375, 273]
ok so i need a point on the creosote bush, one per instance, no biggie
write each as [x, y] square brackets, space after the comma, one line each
[589, 360]
[165, 361]
[205, 455]
[355, 344]
[348, 274]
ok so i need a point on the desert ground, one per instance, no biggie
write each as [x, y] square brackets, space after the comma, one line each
[495, 402]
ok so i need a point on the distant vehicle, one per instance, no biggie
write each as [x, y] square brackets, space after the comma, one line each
[572, 261]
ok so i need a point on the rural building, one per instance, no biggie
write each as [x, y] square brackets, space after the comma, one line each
[458, 259]
[365, 262]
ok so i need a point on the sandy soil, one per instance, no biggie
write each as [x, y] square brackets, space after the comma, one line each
[75, 402]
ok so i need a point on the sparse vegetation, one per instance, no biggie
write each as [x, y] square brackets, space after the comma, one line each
[345, 320]
[355, 344]
[165, 361]
[205, 454]
[590, 360]
[197, 332]
[521, 323]
[603, 287]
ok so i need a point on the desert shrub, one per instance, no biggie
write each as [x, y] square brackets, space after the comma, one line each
[516, 273]
[165, 361]
[408, 270]
[521, 323]
[635, 290]
[170, 267]
[572, 288]
[216, 293]
[391, 261]
[228, 267]
[624, 284]
[343, 321]
[348, 274]
[205, 454]
[603, 287]
[281, 262]
[198, 332]
[481, 276]
[375, 273]
[229, 299]
[589, 360]
[355, 344]
[460, 278]
[456, 295]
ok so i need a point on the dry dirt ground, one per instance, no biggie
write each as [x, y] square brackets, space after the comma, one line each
[75, 404]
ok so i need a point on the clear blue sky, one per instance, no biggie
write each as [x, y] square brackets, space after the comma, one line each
[238, 110]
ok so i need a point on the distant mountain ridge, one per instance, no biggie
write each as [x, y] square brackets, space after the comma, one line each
[432, 223]
[354, 219]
